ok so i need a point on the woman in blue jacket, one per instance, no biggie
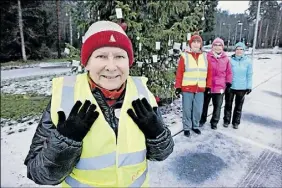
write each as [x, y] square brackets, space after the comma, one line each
[241, 84]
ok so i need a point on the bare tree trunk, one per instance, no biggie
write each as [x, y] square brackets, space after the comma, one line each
[274, 31]
[58, 30]
[272, 37]
[70, 28]
[260, 33]
[265, 37]
[278, 29]
[21, 30]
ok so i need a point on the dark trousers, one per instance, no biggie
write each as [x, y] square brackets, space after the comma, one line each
[217, 100]
[239, 96]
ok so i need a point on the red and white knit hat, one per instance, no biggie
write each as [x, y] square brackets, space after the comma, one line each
[102, 34]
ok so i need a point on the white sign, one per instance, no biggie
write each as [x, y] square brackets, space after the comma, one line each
[184, 46]
[140, 47]
[188, 36]
[169, 43]
[119, 12]
[155, 58]
[176, 45]
[158, 45]
[139, 63]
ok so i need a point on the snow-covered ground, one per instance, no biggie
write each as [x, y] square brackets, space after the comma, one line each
[250, 155]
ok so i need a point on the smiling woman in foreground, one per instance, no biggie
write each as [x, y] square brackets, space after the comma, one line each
[100, 127]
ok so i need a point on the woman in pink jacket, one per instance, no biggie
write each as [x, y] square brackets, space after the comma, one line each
[221, 81]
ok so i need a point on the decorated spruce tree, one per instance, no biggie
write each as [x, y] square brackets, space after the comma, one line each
[158, 30]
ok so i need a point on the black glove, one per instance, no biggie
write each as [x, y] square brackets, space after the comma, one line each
[78, 123]
[248, 91]
[228, 87]
[146, 118]
[208, 90]
[177, 91]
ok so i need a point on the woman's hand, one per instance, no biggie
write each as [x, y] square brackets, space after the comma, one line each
[79, 122]
[146, 118]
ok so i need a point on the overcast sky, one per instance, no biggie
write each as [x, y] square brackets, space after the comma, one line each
[234, 6]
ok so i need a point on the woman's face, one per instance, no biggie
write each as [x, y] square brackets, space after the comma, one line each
[196, 45]
[239, 51]
[108, 67]
[217, 48]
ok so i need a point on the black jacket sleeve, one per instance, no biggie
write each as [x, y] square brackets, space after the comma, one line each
[160, 148]
[52, 156]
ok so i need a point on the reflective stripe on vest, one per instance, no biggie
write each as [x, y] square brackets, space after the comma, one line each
[194, 79]
[196, 69]
[97, 163]
[68, 94]
[137, 183]
[140, 88]
[131, 158]
[205, 59]
[74, 183]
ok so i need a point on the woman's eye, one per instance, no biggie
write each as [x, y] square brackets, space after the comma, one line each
[101, 56]
[120, 57]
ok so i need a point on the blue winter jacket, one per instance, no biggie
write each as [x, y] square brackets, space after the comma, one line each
[242, 70]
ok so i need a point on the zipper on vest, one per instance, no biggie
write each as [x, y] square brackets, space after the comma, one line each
[110, 115]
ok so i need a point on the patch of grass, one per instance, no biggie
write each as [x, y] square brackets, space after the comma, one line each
[19, 106]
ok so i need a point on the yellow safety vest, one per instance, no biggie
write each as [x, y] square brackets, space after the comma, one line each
[195, 73]
[105, 161]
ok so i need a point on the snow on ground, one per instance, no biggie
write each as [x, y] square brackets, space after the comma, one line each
[225, 157]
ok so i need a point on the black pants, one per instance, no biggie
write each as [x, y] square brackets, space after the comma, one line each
[239, 96]
[217, 100]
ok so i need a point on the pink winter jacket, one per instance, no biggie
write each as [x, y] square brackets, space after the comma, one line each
[221, 72]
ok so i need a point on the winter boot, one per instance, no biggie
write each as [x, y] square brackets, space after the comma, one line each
[187, 133]
[235, 126]
[197, 131]
[201, 123]
[225, 124]
[213, 126]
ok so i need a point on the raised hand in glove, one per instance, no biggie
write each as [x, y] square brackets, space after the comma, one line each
[177, 91]
[248, 91]
[146, 118]
[79, 122]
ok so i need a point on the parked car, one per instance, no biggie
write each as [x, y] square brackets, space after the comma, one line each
[207, 48]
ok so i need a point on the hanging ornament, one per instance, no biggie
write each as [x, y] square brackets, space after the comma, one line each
[169, 41]
[119, 12]
[188, 36]
[140, 47]
[176, 45]
[184, 46]
[155, 58]
[158, 45]
[139, 63]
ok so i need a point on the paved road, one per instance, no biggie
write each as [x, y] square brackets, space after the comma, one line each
[36, 71]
